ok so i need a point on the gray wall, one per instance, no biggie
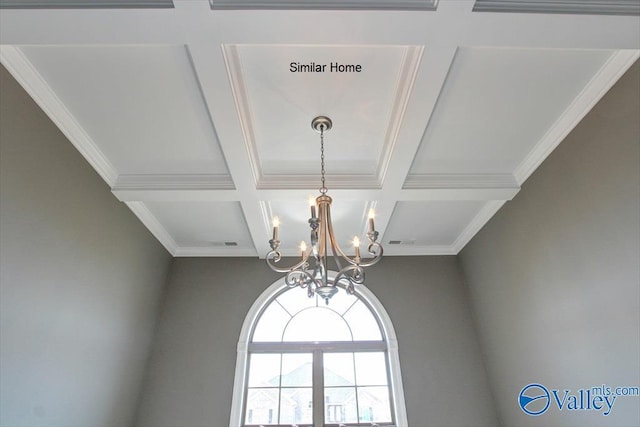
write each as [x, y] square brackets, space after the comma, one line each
[554, 277]
[190, 378]
[80, 281]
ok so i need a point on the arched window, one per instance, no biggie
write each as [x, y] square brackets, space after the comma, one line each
[302, 362]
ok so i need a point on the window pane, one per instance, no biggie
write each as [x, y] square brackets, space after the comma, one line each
[271, 324]
[296, 370]
[295, 300]
[296, 406]
[340, 302]
[262, 406]
[317, 324]
[373, 404]
[340, 405]
[371, 369]
[363, 325]
[338, 369]
[265, 370]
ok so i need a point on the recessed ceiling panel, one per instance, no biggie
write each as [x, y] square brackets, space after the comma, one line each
[203, 224]
[429, 223]
[497, 104]
[140, 105]
[280, 89]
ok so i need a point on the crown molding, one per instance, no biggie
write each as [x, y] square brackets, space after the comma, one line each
[617, 64]
[214, 251]
[475, 225]
[174, 188]
[36, 86]
[448, 180]
[337, 181]
[173, 182]
[232, 64]
[154, 226]
[418, 250]
[406, 80]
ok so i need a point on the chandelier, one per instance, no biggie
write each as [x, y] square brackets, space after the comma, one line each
[311, 272]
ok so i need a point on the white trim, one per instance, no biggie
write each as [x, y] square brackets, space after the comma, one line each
[412, 249]
[406, 81]
[460, 180]
[155, 227]
[239, 92]
[617, 64]
[168, 182]
[475, 225]
[36, 86]
[214, 251]
[395, 375]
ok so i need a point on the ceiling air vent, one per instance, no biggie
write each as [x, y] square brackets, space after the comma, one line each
[221, 244]
[402, 242]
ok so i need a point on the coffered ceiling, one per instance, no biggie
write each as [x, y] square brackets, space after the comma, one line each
[197, 113]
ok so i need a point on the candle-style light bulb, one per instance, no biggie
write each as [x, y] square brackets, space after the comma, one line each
[356, 245]
[303, 247]
[276, 224]
[372, 215]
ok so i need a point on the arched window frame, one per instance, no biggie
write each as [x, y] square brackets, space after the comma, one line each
[389, 337]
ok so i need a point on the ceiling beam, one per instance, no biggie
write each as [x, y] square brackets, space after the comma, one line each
[453, 24]
[405, 194]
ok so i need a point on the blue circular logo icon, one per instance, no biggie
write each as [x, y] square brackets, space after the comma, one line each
[534, 399]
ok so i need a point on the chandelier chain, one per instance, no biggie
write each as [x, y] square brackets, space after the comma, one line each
[323, 190]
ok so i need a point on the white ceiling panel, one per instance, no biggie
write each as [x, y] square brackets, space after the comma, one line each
[279, 89]
[435, 223]
[204, 227]
[497, 104]
[141, 105]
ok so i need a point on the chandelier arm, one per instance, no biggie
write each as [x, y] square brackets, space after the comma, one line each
[314, 224]
[375, 249]
[353, 274]
[323, 253]
[275, 257]
[303, 280]
[334, 245]
[336, 256]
